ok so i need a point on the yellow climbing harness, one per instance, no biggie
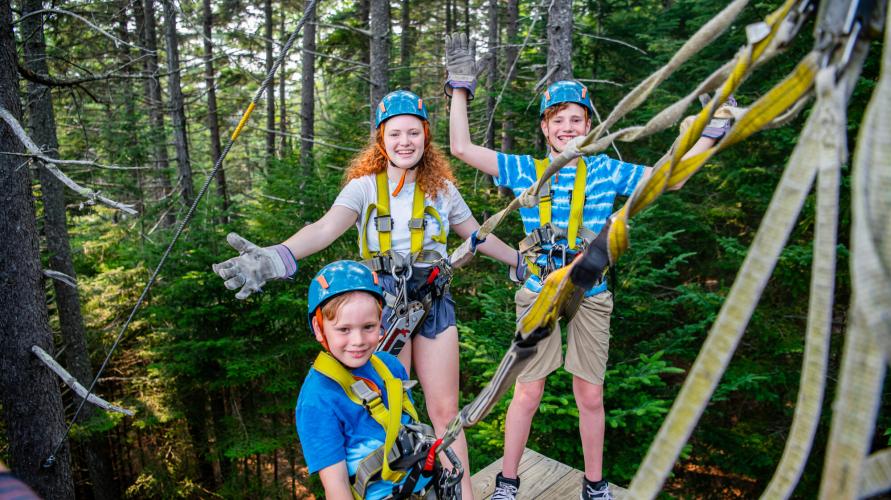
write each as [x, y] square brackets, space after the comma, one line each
[383, 221]
[547, 232]
[389, 418]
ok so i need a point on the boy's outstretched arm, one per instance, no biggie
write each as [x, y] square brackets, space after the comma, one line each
[336, 481]
[462, 146]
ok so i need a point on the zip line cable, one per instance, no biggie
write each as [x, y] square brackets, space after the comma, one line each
[51, 459]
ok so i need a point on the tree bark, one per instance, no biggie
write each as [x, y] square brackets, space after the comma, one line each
[42, 125]
[308, 91]
[270, 91]
[405, 45]
[213, 122]
[510, 56]
[560, 41]
[178, 107]
[380, 53]
[29, 393]
[449, 26]
[155, 100]
[492, 77]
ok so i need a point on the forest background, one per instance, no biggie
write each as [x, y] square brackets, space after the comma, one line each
[147, 91]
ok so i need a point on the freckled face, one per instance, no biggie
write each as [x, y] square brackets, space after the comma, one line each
[354, 332]
[562, 127]
[404, 140]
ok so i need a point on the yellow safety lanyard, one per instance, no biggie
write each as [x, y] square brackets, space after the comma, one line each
[384, 222]
[388, 418]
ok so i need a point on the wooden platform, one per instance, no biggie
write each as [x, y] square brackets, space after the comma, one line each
[541, 478]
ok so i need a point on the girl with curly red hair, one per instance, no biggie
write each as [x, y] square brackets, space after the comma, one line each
[400, 193]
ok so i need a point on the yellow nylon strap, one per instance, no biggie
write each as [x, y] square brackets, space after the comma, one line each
[665, 174]
[363, 232]
[383, 209]
[544, 204]
[394, 397]
[577, 205]
[417, 212]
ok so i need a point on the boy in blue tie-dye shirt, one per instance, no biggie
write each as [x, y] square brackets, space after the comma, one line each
[565, 114]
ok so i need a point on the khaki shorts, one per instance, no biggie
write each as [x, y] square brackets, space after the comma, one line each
[587, 343]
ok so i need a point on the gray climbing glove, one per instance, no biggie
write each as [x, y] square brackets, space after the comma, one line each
[520, 272]
[721, 121]
[254, 266]
[460, 64]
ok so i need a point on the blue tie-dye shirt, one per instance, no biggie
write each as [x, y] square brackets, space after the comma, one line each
[605, 178]
[332, 428]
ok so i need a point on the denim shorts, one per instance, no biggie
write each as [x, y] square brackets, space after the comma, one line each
[440, 316]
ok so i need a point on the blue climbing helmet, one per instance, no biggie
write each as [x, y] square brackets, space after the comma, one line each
[337, 278]
[565, 91]
[399, 102]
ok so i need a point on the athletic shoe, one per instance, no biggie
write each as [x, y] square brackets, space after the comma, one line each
[595, 491]
[505, 489]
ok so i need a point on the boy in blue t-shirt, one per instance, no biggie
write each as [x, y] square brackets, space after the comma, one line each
[581, 198]
[336, 430]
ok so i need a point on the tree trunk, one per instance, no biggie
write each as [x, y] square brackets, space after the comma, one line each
[42, 125]
[380, 53]
[156, 107]
[510, 56]
[560, 41]
[178, 106]
[492, 77]
[363, 12]
[467, 18]
[308, 91]
[448, 6]
[282, 105]
[213, 123]
[270, 91]
[29, 393]
[195, 409]
[405, 45]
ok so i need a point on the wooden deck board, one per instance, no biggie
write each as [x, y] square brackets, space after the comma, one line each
[541, 478]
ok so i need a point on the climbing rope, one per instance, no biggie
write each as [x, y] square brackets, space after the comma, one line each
[51, 459]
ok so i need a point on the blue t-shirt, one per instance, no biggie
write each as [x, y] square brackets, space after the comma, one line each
[332, 428]
[605, 179]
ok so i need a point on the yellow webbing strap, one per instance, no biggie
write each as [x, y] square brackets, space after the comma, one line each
[389, 418]
[382, 206]
[417, 212]
[670, 172]
[383, 209]
[577, 204]
[544, 203]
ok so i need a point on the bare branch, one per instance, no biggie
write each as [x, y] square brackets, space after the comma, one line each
[72, 382]
[78, 163]
[59, 276]
[49, 164]
[613, 40]
[117, 41]
[594, 80]
[343, 26]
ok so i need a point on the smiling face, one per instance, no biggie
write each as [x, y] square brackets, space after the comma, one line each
[563, 123]
[404, 140]
[353, 330]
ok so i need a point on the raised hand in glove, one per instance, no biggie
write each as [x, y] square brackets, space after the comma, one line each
[254, 266]
[460, 64]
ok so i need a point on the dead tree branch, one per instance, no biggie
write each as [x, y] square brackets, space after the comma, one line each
[49, 164]
[72, 382]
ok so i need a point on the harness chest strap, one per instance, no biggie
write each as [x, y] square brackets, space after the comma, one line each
[384, 221]
[388, 418]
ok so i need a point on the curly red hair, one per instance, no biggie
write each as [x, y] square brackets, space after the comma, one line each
[433, 168]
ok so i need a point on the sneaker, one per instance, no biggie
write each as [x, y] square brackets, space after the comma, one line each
[595, 491]
[505, 489]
